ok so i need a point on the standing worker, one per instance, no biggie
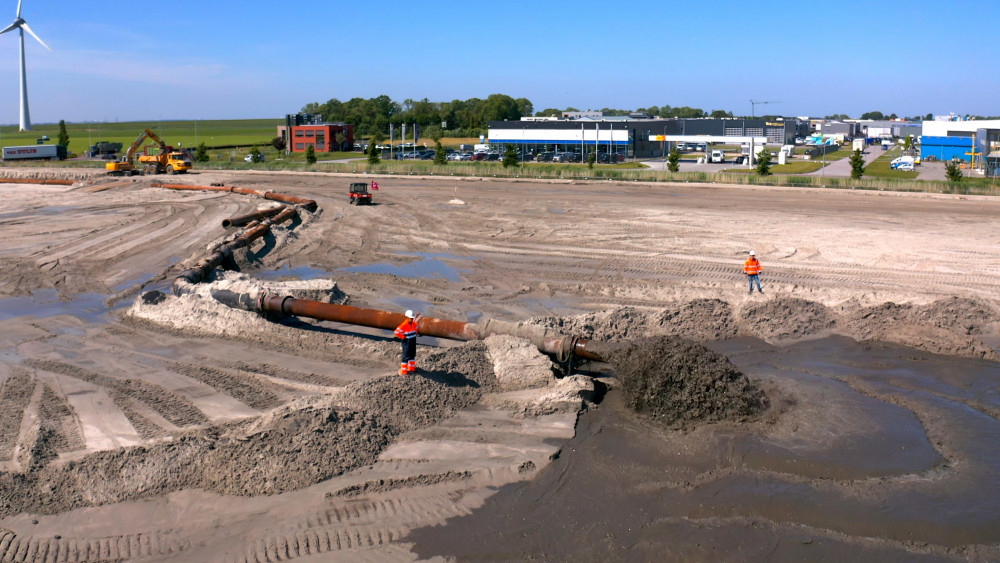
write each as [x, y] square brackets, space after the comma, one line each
[752, 269]
[408, 332]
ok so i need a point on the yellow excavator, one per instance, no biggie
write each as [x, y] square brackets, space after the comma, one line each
[165, 159]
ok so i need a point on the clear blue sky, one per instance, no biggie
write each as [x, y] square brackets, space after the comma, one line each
[221, 59]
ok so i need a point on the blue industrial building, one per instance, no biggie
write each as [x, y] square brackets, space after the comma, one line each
[945, 148]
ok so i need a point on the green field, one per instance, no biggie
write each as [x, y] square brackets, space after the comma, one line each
[214, 133]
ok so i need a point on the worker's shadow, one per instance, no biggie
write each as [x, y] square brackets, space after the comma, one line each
[448, 378]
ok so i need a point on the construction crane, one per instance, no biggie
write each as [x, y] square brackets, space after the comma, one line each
[754, 104]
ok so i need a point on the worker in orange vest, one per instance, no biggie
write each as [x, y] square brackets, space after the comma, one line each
[752, 269]
[407, 330]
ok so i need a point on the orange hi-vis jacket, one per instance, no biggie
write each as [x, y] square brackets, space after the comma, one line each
[752, 266]
[408, 329]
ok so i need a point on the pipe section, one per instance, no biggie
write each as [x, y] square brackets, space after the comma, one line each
[43, 181]
[274, 196]
[204, 266]
[547, 341]
[241, 220]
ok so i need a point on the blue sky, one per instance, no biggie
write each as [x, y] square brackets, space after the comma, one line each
[222, 59]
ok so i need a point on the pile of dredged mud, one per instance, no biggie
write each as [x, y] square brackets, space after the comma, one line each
[951, 326]
[288, 448]
[677, 382]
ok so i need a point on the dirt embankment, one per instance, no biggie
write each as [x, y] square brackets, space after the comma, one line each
[952, 326]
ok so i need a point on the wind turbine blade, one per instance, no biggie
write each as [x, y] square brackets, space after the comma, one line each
[25, 27]
[10, 27]
[18, 8]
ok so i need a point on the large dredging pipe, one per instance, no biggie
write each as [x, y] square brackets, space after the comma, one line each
[273, 196]
[201, 270]
[241, 220]
[546, 340]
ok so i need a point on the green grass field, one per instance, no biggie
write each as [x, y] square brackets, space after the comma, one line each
[244, 132]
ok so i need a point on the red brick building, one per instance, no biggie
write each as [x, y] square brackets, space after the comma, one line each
[322, 136]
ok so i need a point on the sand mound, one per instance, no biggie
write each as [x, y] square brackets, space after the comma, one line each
[677, 382]
[787, 319]
[288, 448]
[952, 326]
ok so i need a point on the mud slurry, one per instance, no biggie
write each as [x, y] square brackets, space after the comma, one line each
[677, 383]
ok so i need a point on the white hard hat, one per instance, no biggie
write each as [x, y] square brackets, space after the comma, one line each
[409, 313]
[752, 253]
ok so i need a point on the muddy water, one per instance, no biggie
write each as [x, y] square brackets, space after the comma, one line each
[869, 452]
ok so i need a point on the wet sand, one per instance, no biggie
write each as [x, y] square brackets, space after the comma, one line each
[182, 430]
[877, 453]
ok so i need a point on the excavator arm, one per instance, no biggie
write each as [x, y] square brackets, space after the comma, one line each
[146, 134]
[126, 164]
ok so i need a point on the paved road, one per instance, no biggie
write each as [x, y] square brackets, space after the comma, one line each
[842, 168]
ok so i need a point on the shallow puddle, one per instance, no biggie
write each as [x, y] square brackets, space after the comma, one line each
[430, 266]
[44, 303]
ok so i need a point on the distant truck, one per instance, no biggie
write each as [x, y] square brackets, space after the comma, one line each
[35, 152]
[101, 148]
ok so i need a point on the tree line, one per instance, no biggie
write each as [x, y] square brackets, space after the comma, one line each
[458, 118]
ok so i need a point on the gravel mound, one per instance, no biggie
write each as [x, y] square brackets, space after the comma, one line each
[678, 383]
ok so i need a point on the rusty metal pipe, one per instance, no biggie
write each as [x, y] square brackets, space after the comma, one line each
[193, 187]
[204, 266]
[294, 200]
[274, 196]
[561, 346]
[247, 191]
[43, 181]
[241, 220]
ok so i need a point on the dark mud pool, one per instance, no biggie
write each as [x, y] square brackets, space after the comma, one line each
[868, 451]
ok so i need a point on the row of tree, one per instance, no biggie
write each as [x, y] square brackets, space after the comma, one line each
[459, 118]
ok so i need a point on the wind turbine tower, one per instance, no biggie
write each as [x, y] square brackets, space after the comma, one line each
[21, 26]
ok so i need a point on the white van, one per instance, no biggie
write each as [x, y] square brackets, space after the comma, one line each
[717, 156]
[900, 162]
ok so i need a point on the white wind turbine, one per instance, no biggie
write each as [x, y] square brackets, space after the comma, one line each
[22, 26]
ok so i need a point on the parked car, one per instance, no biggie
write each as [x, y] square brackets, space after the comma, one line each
[478, 156]
[545, 156]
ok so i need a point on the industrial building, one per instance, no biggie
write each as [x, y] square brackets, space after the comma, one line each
[630, 137]
[303, 129]
[976, 142]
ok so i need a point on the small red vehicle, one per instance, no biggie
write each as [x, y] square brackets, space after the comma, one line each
[360, 194]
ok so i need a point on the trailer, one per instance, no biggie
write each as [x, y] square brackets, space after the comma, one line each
[35, 152]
